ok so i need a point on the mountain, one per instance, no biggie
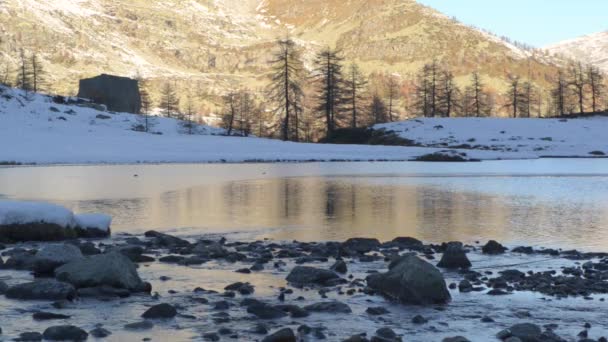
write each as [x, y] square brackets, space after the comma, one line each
[592, 49]
[211, 45]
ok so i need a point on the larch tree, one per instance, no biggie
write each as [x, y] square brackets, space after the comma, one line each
[354, 87]
[189, 112]
[448, 94]
[514, 95]
[146, 104]
[596, 86]
[477, 99]
[285, 81]
[559, 93]
[378, 111]
[393, 89]
[24, 74]
[231, 107]
[37, 71]
[328, 73]
[169, 102]
[578, 82]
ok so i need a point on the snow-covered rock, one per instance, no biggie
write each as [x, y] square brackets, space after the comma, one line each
[36, 221]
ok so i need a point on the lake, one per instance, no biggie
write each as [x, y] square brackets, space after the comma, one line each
[548, 202]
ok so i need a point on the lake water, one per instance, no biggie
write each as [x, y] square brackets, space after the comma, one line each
[548, 202]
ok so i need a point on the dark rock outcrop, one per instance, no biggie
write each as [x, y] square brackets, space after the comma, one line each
[119, 94]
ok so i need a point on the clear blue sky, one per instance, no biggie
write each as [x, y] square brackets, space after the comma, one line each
[536, 22]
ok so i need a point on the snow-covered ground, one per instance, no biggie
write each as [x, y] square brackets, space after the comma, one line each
[37, 130]
[580, 137]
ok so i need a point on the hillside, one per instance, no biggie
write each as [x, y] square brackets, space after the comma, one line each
[592, 49]
[208, 46]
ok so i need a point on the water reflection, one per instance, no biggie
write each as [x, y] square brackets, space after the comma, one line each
[568, 210]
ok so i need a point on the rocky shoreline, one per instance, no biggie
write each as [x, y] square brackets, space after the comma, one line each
[326, 283]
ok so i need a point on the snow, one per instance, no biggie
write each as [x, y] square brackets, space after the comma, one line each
[36, 130]
[93, 221]
[13, 212]
[537, 137]
[21, 212]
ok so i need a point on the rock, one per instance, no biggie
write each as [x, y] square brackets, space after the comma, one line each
[283, 335]
[265, 311]
[329, 307]
[526, 332]
[357, 338]
[49, 257]
[465, 286]
[242, 288]
[260, 329]
[103, 292]
[386, 335]
[211, 337]
[166, 240]
[361, 245]
[454, 257]
[339, 266]
[143, 325]
[29, 336]
[407, 243]
[100, 332]
[306, 275]
[118, 94]
[411, 280]
[42, 290]
[36, 232]
[42, 316]
[419, 320]
[112, 269]
[65, 333]
[493, 247]
[377, 311]
[163, 310]
[213, 250]
[456, 339]
[3, 287]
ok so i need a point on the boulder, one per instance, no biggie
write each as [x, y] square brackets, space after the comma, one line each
[118, 94]
[527, 332]
[29, 336]
[361, 245]
[100, 332]
[65, 333]
[283, 335]
[42, 290]
[112, 269]
[163, 310]
[265, 311]
[3, 287]
[493, 247]
[329, 307]
[306, 275]
[411, 280]
[43, 316]
[386, 335]
[454, 257]
[38, 231]
[49, 257]
[407, 243]
[166, 240]
[211, 250]
[339, 266]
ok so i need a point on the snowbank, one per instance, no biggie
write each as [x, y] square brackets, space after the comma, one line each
[36, 130]
[35, 221]
[580, 137]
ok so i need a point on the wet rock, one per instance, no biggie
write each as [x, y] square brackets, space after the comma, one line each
[386, 335]
[3, 287]
[265, 311]
[407, 243]
[361, 245]
[306, 275]
[357, 338]
[211, 337]
[243, 270]
[88, 248]
[212, 250]
[498, 292]
[411, 280]
[260, 329]
[454, 257]
[172, 259]
[163, 310]
[103, 292]
[42, 290]
[377, 311]
[456, 339]
[143, 325]
[339, 266]
[419, 320]
[42, 316]
[329, 307]
[166, 240]
[526, 332]
[523, 250]
[283, 335]
[100, 332]
[221, 305]
[35, 232]
[49, 257]
[465, 286]
[242, 288]
[65, 333]
[493, 247]
[29, 336]
[487, 319]
[112, 269]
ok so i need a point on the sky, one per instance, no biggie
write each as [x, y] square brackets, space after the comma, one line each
[535, 22]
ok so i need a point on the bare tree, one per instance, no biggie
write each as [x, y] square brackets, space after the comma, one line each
[230, 110]
[378, 110]
[328, 72]
[38, 72]
[578, 82]
[287, 69]
[514, 95]
[477, 98]
[24, 76]
[596, 86]
[188, 123]
[168, 100]
[448, 94]
[559, 93]
[146, 105]
[422, 92]
[355, 85]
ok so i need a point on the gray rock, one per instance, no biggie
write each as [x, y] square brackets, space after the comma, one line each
[493, 247]
[411, 280]
[329, 307]
[377, 311]
[527, 332]
[36, 232]
[339, 266]
[43, 316]
[3, 287]
[166, 240]
[49, 257]
[283, 335]
[119, 94]
[163, 310]
[386, 335]
[100, 332]
[212, 250]
[454, 257]
[143, 325]
[112, 269]
[265, 311]
[29, 336]
[306, 275]
[65, 333]
[42, 290]
[419, 320]
[456, 339]
[361, 245]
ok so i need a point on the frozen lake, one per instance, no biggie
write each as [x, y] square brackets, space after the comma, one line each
[549, 202]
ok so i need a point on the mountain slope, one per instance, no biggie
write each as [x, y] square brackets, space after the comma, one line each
[592, 49]
[216, 44]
